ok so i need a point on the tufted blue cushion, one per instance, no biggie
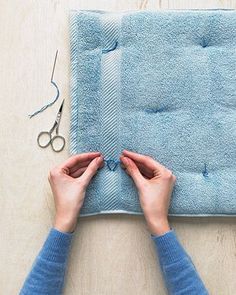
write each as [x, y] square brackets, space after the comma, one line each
[162, 84]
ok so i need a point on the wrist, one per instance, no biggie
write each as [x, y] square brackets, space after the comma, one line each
[65, 224]
[158, 226]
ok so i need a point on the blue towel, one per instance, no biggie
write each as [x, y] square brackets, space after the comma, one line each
[159, 83]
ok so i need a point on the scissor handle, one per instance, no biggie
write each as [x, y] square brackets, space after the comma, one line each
[61, 145]
[43, 134]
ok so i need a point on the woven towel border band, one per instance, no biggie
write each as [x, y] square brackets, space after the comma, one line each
[110, 106]
[73, 83]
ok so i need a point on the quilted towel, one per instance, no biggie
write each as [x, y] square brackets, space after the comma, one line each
[163, 84]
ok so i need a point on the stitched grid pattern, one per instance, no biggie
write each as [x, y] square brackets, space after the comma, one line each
[154, 118]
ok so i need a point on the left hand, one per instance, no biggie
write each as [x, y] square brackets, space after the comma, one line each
[68, 183]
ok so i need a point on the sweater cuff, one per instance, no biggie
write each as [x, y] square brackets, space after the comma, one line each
[168, 247]
[56, 246]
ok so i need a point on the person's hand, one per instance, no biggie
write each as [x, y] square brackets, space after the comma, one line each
[68, 183]
[155, 184]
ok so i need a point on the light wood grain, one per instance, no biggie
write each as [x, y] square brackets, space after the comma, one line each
[110, 255]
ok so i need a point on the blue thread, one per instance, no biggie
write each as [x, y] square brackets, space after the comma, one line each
[205, 172]
[106, 50]
[49, 104]
[57, 95]
[112, 164]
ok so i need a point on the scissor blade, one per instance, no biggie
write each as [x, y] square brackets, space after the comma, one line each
[58, 118]
[61, 107]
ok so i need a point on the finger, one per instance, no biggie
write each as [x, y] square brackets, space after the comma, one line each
[80, 165]
[133, 171]
[91, 170]
[146, 160]
[145, 171]
[75, 159]
[78, 172]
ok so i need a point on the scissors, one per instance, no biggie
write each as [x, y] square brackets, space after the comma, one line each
[45, 138]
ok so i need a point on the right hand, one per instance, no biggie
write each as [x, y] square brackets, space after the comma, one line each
[155, 185]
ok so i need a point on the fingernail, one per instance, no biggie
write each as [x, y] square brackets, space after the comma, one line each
[125, 160]
[122, 166]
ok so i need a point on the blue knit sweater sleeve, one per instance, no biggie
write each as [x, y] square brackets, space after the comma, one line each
[179, 272]
[46, 276]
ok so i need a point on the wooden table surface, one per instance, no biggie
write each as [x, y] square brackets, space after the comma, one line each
[112, 254]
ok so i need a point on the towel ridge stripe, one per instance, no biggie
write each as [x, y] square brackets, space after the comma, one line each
[110, 103]
[74, 85]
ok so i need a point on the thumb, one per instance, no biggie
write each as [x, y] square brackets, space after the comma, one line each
[91, 170]
[133, 171]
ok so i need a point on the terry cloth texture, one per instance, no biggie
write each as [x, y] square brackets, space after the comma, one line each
[163, 84]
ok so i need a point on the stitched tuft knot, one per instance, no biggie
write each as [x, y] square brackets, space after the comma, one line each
[204, 42]
[155, 110]
[112, 164]
[106, 50]
[205, 172]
